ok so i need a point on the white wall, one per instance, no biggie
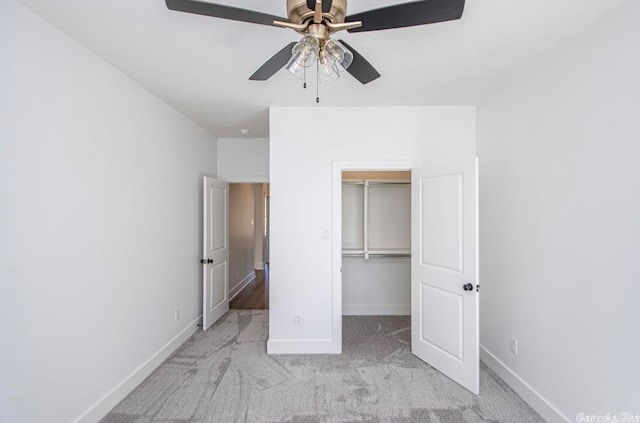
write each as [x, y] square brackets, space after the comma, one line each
[243, 159]
[104, 223]
[8, 307]
[301, 261]
[560, 222]
[241, 236]
[376, 287]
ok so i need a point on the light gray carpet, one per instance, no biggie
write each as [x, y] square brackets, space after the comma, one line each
[224, 375]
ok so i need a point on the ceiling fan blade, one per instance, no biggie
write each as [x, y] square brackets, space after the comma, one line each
[360, 69]
[409, 14]
[221, 11]
[326, 5]
[273, 65]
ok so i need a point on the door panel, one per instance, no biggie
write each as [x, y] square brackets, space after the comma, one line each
[442, 224]
[442, 320]
[217, 199]
[444, 326]
[217, 288]
[215, 282]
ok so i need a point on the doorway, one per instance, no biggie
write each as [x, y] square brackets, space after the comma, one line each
[444, 265]
[339, 169]
[376, 241]
[248, 246]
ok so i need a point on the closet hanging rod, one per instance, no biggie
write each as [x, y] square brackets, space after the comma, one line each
[376, 255]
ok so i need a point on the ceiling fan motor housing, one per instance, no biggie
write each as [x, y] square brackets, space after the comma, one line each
[298, 12]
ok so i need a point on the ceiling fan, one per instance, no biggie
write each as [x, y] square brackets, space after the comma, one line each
[317, 21]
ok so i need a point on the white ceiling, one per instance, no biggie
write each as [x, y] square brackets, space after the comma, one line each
[200, 65]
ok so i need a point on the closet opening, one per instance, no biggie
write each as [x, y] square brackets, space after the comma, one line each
[376, 254]
[419, 242]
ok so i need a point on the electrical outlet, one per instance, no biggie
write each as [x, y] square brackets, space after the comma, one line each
[297, 319]
[176, 315]
[513, 346]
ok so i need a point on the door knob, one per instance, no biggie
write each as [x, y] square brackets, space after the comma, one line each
[209, 260]
[467, 287]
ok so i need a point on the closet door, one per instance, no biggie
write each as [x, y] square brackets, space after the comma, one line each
[444, 271]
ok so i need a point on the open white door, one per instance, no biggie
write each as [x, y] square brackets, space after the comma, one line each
[215, 273]
[444, 270]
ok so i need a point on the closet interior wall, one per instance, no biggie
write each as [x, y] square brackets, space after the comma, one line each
[376, 241]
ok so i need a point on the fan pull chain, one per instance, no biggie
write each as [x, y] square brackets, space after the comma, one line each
[304, 85]
[317, 82]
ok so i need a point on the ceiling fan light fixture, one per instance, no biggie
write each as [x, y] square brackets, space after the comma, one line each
[295, 69]
[327, 67]
[342, 55]
[303, 55]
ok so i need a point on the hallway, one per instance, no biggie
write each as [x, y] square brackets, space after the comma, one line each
[254, 296]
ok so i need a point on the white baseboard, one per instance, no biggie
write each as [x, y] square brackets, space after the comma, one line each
[105, 404]
[241, 285]
[376, 310]
[532, 397]
[258, 266]
[304, 346]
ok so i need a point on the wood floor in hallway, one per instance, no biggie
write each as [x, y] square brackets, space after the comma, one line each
[254, 296]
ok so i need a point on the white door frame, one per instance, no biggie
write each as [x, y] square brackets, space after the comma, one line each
[233, 180]
[336, 228]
